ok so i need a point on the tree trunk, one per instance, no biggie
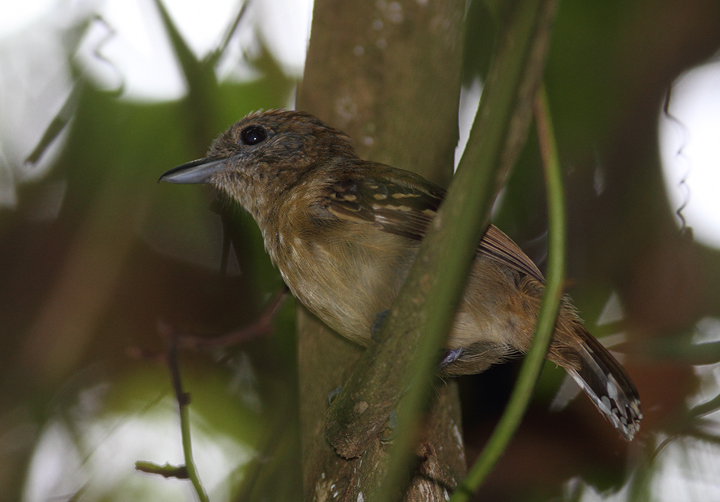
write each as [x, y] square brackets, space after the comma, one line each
[388, 74]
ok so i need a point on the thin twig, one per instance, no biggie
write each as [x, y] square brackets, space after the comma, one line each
[175, 339]
[260, 327]
[166, 471]
[229, 33]
[183, 399]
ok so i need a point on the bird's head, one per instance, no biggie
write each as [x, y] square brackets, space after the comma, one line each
[263, 155]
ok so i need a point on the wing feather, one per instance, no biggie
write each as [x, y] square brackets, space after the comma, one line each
[406, 209]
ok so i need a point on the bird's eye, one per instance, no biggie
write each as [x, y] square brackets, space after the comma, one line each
[252, 135]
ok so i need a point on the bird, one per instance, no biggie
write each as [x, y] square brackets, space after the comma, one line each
[344, 232]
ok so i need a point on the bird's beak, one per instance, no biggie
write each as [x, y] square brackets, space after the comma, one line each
[197, 171]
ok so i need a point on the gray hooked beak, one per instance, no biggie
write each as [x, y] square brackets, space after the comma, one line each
[197, 171]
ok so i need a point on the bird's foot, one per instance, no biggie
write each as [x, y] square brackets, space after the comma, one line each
[333, 394]
[390, 431]
[450, 357]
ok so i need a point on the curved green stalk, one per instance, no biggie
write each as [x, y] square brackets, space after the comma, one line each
[546, 321]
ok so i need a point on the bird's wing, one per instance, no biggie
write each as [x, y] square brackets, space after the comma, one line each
[406, 206]
[499, 247]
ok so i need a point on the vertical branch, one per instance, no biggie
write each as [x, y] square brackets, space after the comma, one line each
[388, 74]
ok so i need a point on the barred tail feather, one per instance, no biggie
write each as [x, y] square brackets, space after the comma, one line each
[607, 384]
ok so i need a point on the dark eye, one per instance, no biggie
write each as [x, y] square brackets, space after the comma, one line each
[252, 135]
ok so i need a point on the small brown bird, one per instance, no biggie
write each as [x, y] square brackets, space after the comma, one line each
[344, 232]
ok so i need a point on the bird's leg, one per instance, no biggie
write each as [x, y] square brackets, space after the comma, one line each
[377, 324]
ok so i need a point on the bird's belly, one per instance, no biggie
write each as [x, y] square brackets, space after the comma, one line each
[345, 285]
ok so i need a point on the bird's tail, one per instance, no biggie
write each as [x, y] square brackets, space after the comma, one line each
[590, 364]
[606, 383]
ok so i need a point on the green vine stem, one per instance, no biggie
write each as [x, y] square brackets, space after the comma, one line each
[533, 363]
